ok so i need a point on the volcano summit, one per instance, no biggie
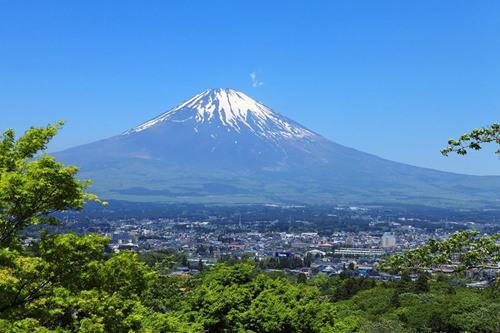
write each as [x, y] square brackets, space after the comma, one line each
[221, 146]
[231, 109]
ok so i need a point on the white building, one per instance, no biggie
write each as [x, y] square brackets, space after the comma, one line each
[359, 252]
[388, 240]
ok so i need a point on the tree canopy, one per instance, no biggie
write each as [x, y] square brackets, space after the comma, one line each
[474, 140]
[33, 188]
[466, 249]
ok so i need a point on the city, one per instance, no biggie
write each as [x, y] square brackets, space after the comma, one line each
[294, 246]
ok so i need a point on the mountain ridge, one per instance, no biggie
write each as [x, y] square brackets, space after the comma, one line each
[222, 145]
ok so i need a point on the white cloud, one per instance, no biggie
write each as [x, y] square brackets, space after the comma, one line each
[255, 83]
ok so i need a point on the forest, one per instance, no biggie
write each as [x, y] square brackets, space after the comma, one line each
[67, 283]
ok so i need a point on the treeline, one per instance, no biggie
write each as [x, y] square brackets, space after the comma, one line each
[66, 283]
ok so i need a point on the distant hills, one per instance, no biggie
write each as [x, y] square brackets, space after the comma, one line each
[221, 146]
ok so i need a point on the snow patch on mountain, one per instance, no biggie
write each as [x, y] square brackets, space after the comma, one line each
[232, 109]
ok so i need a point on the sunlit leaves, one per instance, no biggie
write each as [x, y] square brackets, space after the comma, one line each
[32, 187]
[464, 249]
[474, 140]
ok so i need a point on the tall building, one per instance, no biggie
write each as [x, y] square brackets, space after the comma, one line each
[388, 240]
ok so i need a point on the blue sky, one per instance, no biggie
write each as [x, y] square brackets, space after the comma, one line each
[393, 78]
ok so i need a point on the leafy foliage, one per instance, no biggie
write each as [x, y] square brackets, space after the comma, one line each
[32, 188]
[466, 248]
[474, 140]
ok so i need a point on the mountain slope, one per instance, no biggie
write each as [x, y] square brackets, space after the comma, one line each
[222, 146]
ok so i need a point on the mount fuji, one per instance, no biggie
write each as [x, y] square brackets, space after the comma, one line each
[221, 146]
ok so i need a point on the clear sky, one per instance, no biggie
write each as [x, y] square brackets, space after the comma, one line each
[393, 78]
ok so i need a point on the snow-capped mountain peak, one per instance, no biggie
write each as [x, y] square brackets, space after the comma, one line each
[222, 146]
[229, 108]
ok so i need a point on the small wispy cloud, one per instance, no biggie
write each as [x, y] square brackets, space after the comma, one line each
[255, 83]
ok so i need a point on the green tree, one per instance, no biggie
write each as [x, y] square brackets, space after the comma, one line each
[301, 278]
[474, 140]
[72, 260]
[201, 266]
[395, 300]
[63, 282]
[468, 247]
[31, 187]
[422, 283]
[66, 261]
[124, 273]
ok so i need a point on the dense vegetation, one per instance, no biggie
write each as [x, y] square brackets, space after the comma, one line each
[68, 284]
[72, 283]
